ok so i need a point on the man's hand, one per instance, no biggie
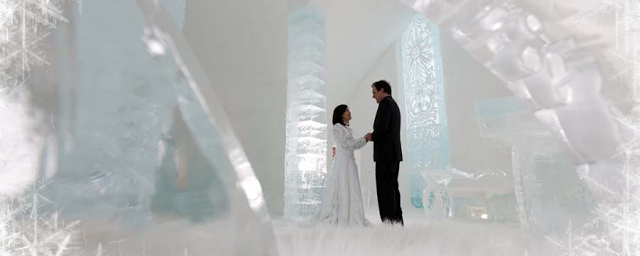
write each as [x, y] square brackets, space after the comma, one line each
[367, 137]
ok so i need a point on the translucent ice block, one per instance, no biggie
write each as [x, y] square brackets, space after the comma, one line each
[547, 188]
[144, 155]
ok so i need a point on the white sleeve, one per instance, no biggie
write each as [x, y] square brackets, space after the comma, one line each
[345, 140]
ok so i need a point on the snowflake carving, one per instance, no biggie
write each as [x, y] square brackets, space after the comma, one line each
[25, 231]
[619, 213]
[615, 226]
[623, 18]
[24, 25]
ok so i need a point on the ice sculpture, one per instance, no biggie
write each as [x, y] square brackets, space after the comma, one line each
[427, 138]
[431, 188]
[549, 194]
[143, 154]
[306, 124]
[556, 75]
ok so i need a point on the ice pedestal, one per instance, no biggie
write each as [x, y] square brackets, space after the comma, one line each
[144, 154]
[548, 190]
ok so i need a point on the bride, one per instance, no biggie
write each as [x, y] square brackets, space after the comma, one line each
[342, 200]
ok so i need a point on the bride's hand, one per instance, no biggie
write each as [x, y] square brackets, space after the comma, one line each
[367, 137]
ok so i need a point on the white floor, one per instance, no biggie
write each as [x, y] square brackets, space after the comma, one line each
[418, 237]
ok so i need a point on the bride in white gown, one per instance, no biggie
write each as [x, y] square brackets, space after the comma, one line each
[342, 199]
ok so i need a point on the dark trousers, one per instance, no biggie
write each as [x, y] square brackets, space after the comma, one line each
[388, 193]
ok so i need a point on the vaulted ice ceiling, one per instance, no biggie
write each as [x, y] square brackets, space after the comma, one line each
[358, 33]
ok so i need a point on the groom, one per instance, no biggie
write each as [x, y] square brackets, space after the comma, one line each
[387, 152]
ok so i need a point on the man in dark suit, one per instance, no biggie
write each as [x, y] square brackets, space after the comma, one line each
[387, 152]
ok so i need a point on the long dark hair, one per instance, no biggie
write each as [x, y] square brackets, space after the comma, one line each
[337, 114]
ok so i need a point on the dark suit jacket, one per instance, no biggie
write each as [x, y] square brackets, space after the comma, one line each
[386, 132]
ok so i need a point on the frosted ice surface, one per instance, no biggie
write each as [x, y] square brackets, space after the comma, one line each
[146, 158]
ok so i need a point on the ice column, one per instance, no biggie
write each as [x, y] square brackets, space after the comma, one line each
[427, 138]
[306, 124]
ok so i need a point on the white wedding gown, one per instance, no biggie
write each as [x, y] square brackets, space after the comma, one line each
[342, 198]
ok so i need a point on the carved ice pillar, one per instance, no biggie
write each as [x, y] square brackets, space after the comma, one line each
[426, 121]
[306, 124]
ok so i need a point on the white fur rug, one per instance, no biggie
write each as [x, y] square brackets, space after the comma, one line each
[416, 238]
